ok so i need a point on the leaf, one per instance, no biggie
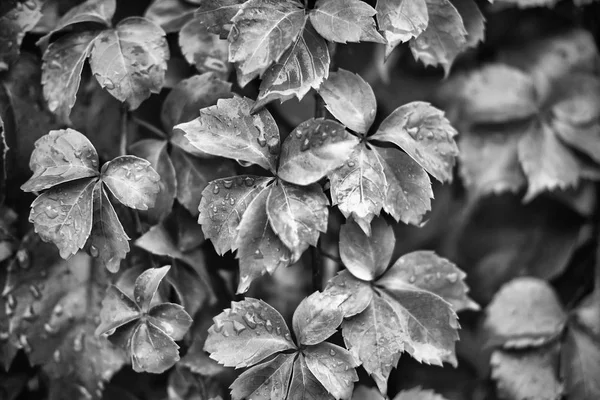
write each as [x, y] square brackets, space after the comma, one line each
[203, 49]
[473, 20]
[263, 30]
[259, 248]
[355, 296]
[107, 241]
[130, 61]
[267, 381]
[417, 393]
[303, 66]
[15, 23]
[152, 350]
[531, 374]
[196, 359]
[443, 39]
[333, 366]
[132, 180]
[61, 71]
[193, 176]
[345, 21]
[428, 271]
[358, 187]
[61, 156]
[580, 364]
[525, 312]
[316, 318]
[247, 333]
[146, 286]
[216, 15]
[401, 20]
[228, 130]
[297, 215]
[224, 202]
[314, 149]
[423, 132]
[350, 99]
[170, 15]
[63, 215]
[304, 385]
[367, 257]
[184, 384]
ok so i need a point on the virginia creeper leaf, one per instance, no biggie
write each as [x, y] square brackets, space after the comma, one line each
[580, 364]
[423, 132]
[152, 350]
[130, 61]
[367, 257]
[263, 30]
[303, 66]
[247, 333]
[473, 20]
[345, 21]
[61, 156]
[184, 383]
[350, 99]
[15, 23]
[267, 381]
[333, 366]
[146, 286]
[355, 295]
[224, 202]
[304, 385]
[171, 15]
[216, 15]
[314, 149]
[297, 215]
[117, 310]
[205, 50]
[228, 130]
[401, 20]
[317, 317]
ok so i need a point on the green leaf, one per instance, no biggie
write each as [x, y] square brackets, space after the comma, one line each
[263, 30]
[443, 39]
[130, 61]
[316, 318]
[345, 21]
[63, 215]
[334, 367]
[216, 15]
[15, 23]
[259, 248]
[61, 71]
[247, 333]
[367, 257]
[525, 312]
[423, 132]
[314, 149]
[132, 181]
[356, 296]
[228, 130]
[350, 99]
[304, 385]
[267, 381]
[359, 187]
[401, 20]
[580, 364]
[303, 66]
[297, 215]
[61, 156]
[107, 241]
[473, 20]
[205, 50]
[171, 15]
[224, 202]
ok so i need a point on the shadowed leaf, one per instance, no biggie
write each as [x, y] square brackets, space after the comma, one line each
[345, 21]
[171, 15]
[333, 366]
[580, 364]
[15, 23]
[266, 381]
[204, 49]
[317, 317]
[304, 385]
[152, 350]
[473, 20]
[401, 20]
[216, 15]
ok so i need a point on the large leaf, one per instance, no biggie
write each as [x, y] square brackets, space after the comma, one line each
[262, 32]
[333, 366]
[297, 215]
[345, 21]
[303, 66]
[316, 318]
[267, 381]
[350, 99]
[314, 149]
[15, 23]
[228, 130]
[423, 132]
[205, 50]
[130, 61]
[216, 15]
[401, 20]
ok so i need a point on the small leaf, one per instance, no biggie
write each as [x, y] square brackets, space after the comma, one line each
[317, 317]
[580, 364]
[15, 23]
[170, 15]
[367, 257]
[303, 66]
[117, 310]
[473, 20]
[228, 130]
[224, 202]
[350, 99]
[267, 381]
[304, 385]
[146, 286]
[247, 333]
[333, 366]
[152, 350]
[356, 296]
[525, 312]
[345, 21]
[63, 215]
[401, 20]
[263, 30]
[297, 215]
[216, 15]
[171, 319]
[203, 49]
[130, 61]
[132, 181]
[314, 149]
[61, 156]
[423, 132]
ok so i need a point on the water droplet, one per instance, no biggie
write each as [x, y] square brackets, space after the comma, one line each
[262, 142]
[4, 336]
[249, 181]
[351, 164]
[273, 145]
[232, 201]
[50, 329]
[227, 183]
[138, 299]
[29, 313]
[429, 135]
[24, 343]
[269, 326]
[372, 113]
[414, 131]
[298, 133]
[452, 277]
[238, 327]
[56, 356]
[249, 320]
[94, 251]
[305, 145]
[287, 336]
[216, 189]
[412, 279]
[258, 255]
[109, 84]
[51, 212]
[10, 301]
[8, 310]
[35, 291]
[332, 352]
[78, 342]
[23, 258]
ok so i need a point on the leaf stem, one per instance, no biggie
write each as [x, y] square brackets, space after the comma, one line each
[330, 256]
[317, 266]
[124, 129]
[148, 126]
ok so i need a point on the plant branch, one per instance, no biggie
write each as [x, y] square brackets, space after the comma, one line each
[124, 129]
[317, 266]
[330, 256]
[148, 126]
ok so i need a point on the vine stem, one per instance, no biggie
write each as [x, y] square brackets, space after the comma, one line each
[148, 126]
[124, 129]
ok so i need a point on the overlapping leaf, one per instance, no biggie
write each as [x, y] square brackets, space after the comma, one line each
[15, 23]
[401, 20]
[204, 49]
[170, 15]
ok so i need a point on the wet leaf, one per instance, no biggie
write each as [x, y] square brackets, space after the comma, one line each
[401, 20]
[132, 180]
[263, 30]
[15, 23]
[170, 15]
[345, 21]
[314, 149]
[61, 156]
[152, 350]
[316, 318]
[333, 366]
[304, 385]
[355, 295]
[267, 381]
[473, 21]
[228, 130]
[350, 99]
[423, 132]
[216, 15]
[224, 202]
[130, 61]
[580, 364]
[205, 50]
[303, 66]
